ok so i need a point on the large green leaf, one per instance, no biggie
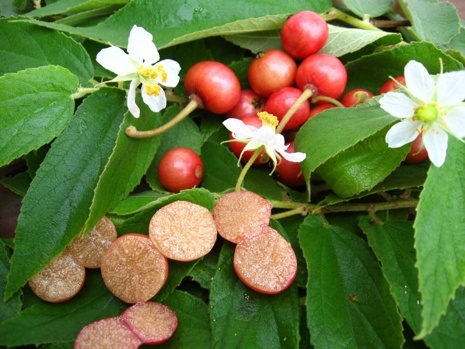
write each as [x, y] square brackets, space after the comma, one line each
[362, 166]
[23, 45]
[349, 304]
[39, 323]
[439, 238]
[73, 6]
[12, 307]
[35, 106]
[244, 318]
[368, 7]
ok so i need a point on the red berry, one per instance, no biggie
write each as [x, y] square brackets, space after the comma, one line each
[304, 34]
[213, 85]
[324, 74]
[180, 168]
[290, 173]
[270, 71]
[249, 104]
[282, 100]
[418, 152]
[392, 85]
[319, 108]
[355, 96]
[237, 147]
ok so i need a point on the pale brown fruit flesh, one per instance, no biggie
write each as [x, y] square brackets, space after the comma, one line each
[152, 322]
[133, 269]
[108, 333]
[61, 280]
[88, 250]
[242, 213]
[183, 231]
[265, 262]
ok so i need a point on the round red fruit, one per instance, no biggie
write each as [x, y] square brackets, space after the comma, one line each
[317, 109]
[213, 85]
[324, 74]
[355, 96]
[237, 147]
[270, 71]
[418, 152]
[249, 104]
[304, 34]
[180, 168]
[290, 173]
[282, 100]
[392, 85]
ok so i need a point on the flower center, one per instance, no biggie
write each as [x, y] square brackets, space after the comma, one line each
[268, 119]
[426, 112]
[152, 89]
[152, 72]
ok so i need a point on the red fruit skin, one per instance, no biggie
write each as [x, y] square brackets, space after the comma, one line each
[317, 109]
[213, 85]
[270, 71]
[355, 96]
[391, 85]
[249, 104]
[290, 173]
[237, 147]
[180, 168]
[324, 73]
[304, 34]
[279, 102]
[418, 152]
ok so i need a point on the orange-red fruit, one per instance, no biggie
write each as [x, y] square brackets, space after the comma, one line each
[88, 250]
[392, 85]
[265, 262]
[355, 96]
[239, 214]
[153, 323]
[133, 269]
[183, 231]
[61, 280]
[108, 333]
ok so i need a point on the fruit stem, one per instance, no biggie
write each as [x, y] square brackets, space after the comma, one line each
[306, 94]
[328, 99]
[334, 13]
[246, 167]
[302, 210]
[131, 131]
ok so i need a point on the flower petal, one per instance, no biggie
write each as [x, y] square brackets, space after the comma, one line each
[172, 69]
[419, 83]
[293, 157]
[455, 121]
[155, 102]
[131, 99]
[141, 47]
[435, 140]
[450, 88]
[402, 133]
[239, 129]
[398, 104]
[116, 60]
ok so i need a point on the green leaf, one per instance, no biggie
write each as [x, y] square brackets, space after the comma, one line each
[35, 106]
[432, 20]
[348, 300]
[23, 45]
[73, 6]
[439, 235]
[57, 204]
[12, 307]
[192, 21]
[194, 330]
[362, 166]
[50, 323]
[368, 7]
[353, 125]
[244, 318]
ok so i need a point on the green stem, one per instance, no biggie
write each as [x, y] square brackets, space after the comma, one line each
[306, 94]
[246, 167]
[328, 99]
[334, 13]
[82, 91]
[131, 131]
[302, 210]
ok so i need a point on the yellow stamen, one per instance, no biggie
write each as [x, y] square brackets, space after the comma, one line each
[268, 119]
[163, 73]
[148, 72]
[152, 89]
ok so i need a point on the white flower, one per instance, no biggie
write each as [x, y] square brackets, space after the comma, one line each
[140, 66]
[264, 136]
[430, 107]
